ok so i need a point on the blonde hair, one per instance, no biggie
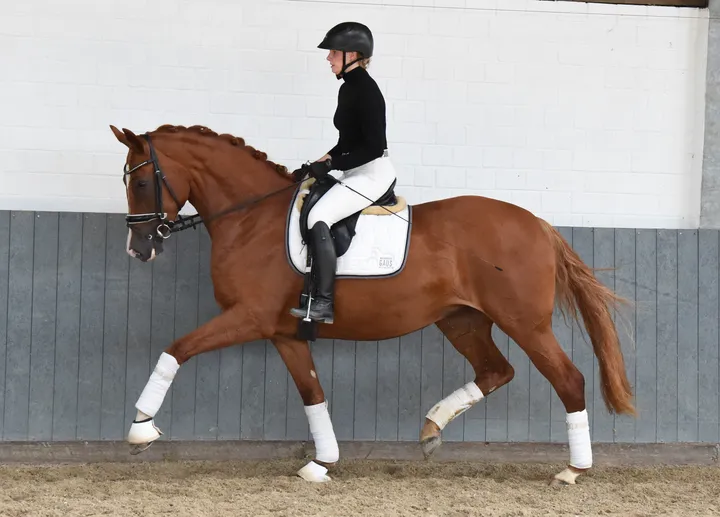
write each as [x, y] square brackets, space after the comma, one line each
[364, 62]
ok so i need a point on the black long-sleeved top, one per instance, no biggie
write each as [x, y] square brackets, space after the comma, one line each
[360, 120]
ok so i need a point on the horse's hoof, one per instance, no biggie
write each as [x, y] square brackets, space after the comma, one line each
[314, 473]
[565, 478]
[429, 445]
[142, 447]
[143, 433]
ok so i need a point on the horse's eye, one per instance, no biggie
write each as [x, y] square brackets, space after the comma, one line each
[142, 183]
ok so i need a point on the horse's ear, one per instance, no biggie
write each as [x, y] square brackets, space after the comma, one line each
[128, 138]
[134, 141]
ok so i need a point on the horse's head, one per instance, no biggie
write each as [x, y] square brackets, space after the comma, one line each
[155, 195]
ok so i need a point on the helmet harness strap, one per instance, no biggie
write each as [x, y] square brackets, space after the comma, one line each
[345, 65]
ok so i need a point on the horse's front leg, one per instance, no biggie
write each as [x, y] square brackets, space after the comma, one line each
[234, 326]
[298, 360]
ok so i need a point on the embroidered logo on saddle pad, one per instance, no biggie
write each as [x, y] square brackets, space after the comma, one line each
[378, 247]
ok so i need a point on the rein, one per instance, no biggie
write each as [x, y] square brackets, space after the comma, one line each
[167, 227]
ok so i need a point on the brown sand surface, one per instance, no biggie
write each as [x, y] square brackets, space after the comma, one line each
[367, 488]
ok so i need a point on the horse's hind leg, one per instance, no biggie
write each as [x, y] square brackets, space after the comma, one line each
[541, 346]
[469, 331]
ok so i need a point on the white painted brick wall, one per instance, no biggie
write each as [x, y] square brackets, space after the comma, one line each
[587, 114]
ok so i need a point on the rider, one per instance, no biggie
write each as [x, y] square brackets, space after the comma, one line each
[361, 153]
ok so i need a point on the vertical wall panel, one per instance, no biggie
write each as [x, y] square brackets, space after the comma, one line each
[67, 332]
[453, 377]
[114, 362]
[708, 342]
[4, 278]
[646, 317]
[42, 350]
[208, 365]
[409, 385]
[186, 320]
[82, 326]
[19, 326]
[687, 341]
[253, 390]
[604, 260]
[388, 408]
[667, 335]
[625, 321]
[92, 317]
[343, 388]
[139, 363]
[365, 390]
[563, 330]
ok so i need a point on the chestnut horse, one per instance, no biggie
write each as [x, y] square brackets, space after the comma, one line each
[472, 262]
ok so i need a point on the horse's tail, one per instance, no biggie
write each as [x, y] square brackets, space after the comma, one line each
[577, 288]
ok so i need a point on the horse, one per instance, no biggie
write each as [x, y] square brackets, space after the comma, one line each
[462, 263]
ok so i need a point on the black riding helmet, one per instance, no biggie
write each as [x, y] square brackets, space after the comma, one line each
[349, 37]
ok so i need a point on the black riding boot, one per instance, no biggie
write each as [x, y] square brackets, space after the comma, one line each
[323, 270]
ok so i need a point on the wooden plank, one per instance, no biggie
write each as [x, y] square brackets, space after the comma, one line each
[4, 295]
[112, 423]
[323, 351]
[475, 426]
[230, 392]
[667, 335]
[366, 367]
[19, 326]
[518, 395]
[140, 361]
[496, 416]
[67, 338]
[208, 364]
[582, 351]
[603, 258]
[431, 370]
[42, 353]
[162, 331]
[253, 390]
[388, 389]
[646, 396]
[276, 392]
[453, 377]
[625, 321]
[708, 341]
[687, 335]
[343, 389]
[409, 387]
[563, 331]
[92, 314]
[186, 312]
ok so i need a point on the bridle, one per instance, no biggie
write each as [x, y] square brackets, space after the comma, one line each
[167, 227]
[164, 229]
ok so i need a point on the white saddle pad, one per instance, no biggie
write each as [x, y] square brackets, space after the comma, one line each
[378, 249]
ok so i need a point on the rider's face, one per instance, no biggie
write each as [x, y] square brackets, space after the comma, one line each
[335, 57]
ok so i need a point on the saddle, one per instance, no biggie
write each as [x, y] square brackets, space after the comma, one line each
[344, 230]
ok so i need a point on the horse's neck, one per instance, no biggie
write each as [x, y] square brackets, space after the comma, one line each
[231, 181]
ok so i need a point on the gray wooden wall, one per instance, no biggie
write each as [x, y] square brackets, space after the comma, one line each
[82, 325]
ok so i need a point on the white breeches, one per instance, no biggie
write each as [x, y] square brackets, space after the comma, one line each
[371, 180]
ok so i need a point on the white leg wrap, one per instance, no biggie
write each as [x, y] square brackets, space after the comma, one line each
[455, 404]
[326, 446]
[160, 380]
[578, 430]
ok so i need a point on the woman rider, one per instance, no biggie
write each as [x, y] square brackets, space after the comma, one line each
[360, 153]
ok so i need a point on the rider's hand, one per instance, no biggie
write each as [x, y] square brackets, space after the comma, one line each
[319, 169]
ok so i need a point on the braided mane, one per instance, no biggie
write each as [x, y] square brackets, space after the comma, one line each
[231, 139]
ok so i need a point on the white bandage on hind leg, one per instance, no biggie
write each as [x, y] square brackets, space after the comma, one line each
[326, 446]
[455, 404]
[578, 430]
[157, 386]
